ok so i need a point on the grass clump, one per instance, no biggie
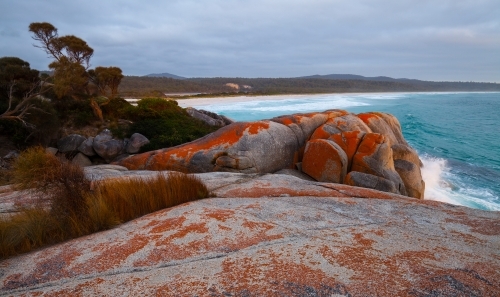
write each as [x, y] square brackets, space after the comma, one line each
[67, 207]
[131, 198]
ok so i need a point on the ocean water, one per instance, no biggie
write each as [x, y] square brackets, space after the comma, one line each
[457, 135]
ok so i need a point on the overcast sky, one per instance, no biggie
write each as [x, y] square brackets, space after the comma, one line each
[452, 40]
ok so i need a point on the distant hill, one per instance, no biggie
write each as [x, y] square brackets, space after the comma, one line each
[169, 75]
[360, 77]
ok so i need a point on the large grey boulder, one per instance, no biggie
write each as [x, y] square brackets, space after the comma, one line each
[256, 147]
[135, 143]
[70, 143]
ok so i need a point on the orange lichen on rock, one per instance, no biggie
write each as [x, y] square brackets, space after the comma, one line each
[325, 161]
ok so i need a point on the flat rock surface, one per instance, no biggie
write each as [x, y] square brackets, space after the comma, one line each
[275, 246]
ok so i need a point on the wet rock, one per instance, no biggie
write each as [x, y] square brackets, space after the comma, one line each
[324, 161]
[135, 143]
[70, 143]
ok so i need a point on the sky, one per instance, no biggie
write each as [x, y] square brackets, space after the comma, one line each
[440, 40]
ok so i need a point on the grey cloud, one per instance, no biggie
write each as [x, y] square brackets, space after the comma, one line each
[439, 40]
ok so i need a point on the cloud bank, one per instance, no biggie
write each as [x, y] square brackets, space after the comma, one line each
[449, 40]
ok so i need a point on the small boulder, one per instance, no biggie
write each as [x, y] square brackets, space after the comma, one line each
[135, 143]
[51, 150]
[207, 117]
[103, 136]
[86, 147]
[107, 147]
[324, 161]
[81, 160]
[365, 180]
[412, 178]
[70, 143]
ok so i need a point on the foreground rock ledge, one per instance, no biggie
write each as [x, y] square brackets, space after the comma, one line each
[275, 246]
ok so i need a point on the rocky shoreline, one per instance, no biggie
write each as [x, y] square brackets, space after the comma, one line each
[366, 150]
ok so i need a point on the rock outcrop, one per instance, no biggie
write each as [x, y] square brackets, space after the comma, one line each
[325, 145]
[210, 118]
[103, 147]
[300, 238]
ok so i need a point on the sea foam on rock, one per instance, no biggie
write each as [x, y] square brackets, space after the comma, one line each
[359, 143]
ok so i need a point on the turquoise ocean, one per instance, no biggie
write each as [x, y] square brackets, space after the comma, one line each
[457, 135]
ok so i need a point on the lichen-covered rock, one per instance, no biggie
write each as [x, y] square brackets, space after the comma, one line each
[374, 156]
[262, 146]
[346, 122]
[70, 143]
[412, 178]
[369, 181]
[280, 143]
[324, 161]
[349, 142]
[385, 124]
[135, 143]
[86, 147]
[275, 246]
[407, 153]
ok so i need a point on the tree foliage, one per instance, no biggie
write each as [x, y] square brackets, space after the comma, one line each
[72, 76]
[19, 85]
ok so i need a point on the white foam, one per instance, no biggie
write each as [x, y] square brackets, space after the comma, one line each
[436, 187]
[442, 185]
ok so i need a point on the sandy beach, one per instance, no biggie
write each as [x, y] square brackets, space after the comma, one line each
[218, 100]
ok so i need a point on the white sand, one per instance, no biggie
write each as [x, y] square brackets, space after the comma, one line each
[218, 100]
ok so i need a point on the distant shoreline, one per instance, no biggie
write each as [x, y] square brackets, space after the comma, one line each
[204, 101]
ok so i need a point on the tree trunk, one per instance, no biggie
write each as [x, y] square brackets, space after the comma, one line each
[96, 109]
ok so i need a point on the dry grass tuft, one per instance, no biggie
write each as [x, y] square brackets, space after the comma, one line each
[67, 208]
[131, 198]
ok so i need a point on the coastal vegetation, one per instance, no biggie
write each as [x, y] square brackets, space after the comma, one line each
[135, 86]
[67, 205]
